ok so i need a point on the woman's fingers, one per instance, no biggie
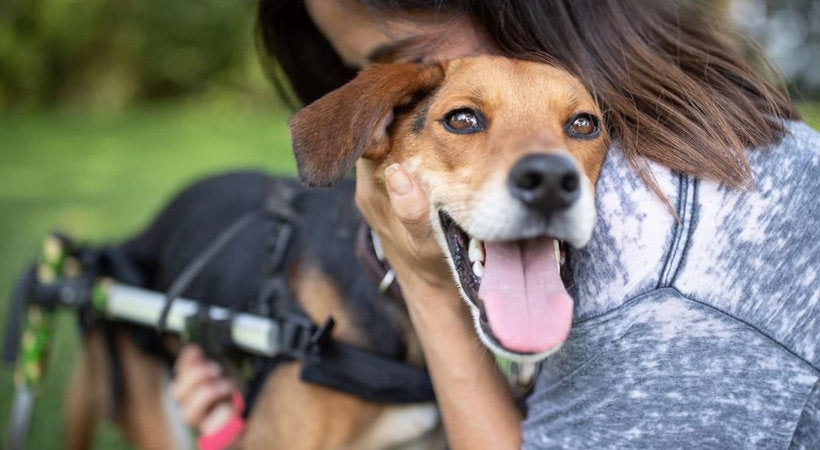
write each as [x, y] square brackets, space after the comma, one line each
[217, 417]
[371, 202]
[408, 201]
[190, 355]
[396, 207]
[190, 378]
[201, 390]
[203, 399]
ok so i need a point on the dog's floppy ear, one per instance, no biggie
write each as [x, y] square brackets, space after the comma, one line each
[330, 134]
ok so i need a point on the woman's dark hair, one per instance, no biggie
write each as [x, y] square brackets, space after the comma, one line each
[295, 54]
[673, 87]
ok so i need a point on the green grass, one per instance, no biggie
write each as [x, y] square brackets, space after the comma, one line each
[102, 179]
[811, 114]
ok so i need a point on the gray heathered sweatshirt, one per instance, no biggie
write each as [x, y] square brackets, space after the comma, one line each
[703, 333]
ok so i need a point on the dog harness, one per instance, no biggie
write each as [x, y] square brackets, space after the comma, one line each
[101, 285]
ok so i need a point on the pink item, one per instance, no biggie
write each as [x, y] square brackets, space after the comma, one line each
[527, 306]
[223, 437]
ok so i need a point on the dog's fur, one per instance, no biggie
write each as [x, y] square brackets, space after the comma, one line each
[390, 113]
[326, 280]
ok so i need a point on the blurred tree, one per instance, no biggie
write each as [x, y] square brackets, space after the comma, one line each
[110, 53]
[789, 32]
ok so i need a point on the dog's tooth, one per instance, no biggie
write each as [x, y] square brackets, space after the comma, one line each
[478, 269]
[475, 250]
[563, 258]
[557, 246]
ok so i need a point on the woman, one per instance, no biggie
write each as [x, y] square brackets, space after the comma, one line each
[696, 320]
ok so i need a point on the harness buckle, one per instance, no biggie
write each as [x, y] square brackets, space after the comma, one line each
[300, 338]
[211, 333]
[321, 337]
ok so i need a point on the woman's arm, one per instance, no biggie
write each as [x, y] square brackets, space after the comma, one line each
[477, 408]
[476, 405]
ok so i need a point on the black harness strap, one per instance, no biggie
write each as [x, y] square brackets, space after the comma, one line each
[326, 361]
[371, 377]
[184, 279]
[335, 364]
[275, 207]
[374, 262]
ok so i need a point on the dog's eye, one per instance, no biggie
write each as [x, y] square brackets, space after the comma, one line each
[583, 125]
[463, 121]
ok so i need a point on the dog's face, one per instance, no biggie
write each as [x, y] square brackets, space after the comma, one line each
[507, 152]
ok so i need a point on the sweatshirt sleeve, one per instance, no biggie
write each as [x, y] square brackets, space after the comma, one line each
[665, 371]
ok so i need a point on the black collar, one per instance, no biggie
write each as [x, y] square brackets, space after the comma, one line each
[370, 254]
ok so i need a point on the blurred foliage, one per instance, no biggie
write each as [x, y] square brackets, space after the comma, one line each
[107, 54]
[789, 33]
[101, 178]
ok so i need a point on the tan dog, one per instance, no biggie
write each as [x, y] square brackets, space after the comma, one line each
[507, 152]
[325, 280]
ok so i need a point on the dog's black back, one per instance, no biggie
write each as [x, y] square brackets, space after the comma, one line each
[326, 226]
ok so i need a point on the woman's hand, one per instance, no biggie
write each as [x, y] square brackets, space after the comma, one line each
[203, 391]
[463, 372]
[401, 219]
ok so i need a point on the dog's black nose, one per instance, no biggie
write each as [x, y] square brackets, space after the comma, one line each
[545, 182]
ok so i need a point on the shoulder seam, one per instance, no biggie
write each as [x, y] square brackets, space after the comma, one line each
[638, 298]
[692, 221]
[749, 325]
[687, 210]
[677, 231]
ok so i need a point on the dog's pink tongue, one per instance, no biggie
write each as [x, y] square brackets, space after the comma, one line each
[527, 306]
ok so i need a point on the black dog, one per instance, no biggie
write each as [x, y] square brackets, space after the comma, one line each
[232, 227]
